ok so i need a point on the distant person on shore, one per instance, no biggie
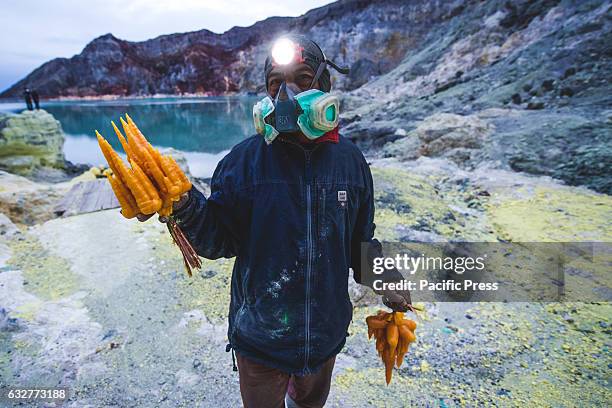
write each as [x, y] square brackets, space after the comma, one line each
[27, 94]
[36, 99]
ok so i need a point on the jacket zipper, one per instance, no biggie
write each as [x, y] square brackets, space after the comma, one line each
[309, 246]
[322, 213]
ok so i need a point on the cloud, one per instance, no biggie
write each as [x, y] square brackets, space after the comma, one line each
[33, 32]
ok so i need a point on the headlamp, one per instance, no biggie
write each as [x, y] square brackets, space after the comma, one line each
[284, 51]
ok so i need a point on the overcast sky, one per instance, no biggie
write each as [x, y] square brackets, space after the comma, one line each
[33, 32]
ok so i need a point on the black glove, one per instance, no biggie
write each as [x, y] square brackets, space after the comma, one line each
[397, 300]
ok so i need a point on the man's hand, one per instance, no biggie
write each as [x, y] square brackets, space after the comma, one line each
[181, 201]
[143, 217]
[175, 205]
[397, 300]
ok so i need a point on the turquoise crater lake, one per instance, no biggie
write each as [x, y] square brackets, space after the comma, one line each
[204, 129]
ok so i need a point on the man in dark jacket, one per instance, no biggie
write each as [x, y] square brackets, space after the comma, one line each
[36, 99]
[295, 206]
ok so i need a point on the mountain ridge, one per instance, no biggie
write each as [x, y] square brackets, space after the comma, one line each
[214, 62]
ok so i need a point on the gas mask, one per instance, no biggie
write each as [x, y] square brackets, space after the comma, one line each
[313, 112]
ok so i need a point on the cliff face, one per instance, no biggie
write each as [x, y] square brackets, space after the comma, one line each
[370, 36]
[518, 85]
[431, 47]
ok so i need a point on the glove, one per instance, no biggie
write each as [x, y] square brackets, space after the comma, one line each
[397, 300]
[175, 206]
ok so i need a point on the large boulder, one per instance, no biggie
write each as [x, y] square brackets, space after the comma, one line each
[30, 140]
[27, 202]
[443, 132]
[406, 148]
[442, 135]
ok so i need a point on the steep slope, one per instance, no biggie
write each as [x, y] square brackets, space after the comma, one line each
[519, 85]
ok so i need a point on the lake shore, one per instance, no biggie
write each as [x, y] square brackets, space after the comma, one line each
[112, 97]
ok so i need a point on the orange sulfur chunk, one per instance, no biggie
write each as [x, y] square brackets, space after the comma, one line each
[393, 336]
[175, 180]
[155, 181]
[138, 145]
[143, 191]
[129, 208]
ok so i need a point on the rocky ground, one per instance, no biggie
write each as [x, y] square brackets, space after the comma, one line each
[134, 330]
[483, 122]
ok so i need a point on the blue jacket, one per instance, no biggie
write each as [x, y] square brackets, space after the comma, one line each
[294, 218]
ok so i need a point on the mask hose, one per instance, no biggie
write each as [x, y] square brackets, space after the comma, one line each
[320, 70]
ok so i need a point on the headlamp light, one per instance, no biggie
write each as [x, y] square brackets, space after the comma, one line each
[284, 51]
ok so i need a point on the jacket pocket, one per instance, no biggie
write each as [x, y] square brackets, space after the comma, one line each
[244, 304]
[336, 204]
[239, 315]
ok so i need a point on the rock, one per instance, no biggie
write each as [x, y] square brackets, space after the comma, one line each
[361, 72]
[27, 202]
[459, 155]
[7, 228]
[444, 132]
[516, 99]
[18, 164]
[58, 175]
[206, 62]
[535, 105]
[30, 140]
[207, 274]
[413, 235]
[531, 55]
[7, 324]
[569, 72]
[406, 148]
[361, 295]
[548, 85]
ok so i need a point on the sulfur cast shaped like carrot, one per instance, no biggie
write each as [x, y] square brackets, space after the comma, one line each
[393, 336]
[146, 196]
[151, 184]
[178, 182]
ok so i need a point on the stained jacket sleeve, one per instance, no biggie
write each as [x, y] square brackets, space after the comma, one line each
[364, 247]
[211, 223]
